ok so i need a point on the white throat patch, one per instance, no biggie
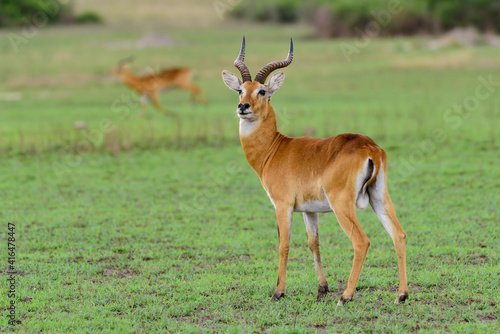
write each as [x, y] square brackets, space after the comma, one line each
[247, 126]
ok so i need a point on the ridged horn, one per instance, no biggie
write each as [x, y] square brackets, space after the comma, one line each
[266, 70]
[240, 65]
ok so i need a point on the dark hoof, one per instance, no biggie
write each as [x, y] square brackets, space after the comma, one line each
[401, 298]
[277, 295]
[343, 300]
[322, 293]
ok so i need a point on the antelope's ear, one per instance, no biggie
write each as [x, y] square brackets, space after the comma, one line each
[275, 83]
[231, 80]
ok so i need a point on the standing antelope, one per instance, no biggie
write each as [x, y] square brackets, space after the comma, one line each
[149, 86]
[313, 175]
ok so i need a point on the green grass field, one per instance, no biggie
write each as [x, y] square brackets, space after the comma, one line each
[158, 224]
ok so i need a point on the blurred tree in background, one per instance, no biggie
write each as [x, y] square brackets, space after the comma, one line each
[332, 18]
[343, 18]
[41, 12]
[23, 12]
[283, 11]
[483, 14]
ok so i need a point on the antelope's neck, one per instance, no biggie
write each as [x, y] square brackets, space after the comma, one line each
[260, 140]
[128, 78]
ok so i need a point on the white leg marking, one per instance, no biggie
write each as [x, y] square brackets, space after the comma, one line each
[290, 220]
[311, 220]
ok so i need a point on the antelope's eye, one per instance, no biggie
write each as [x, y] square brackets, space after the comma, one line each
[262, 92]
[239, 91]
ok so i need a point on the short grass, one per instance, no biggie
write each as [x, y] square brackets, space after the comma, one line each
[159, 225]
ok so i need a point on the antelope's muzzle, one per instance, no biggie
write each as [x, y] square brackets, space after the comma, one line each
[243, 108]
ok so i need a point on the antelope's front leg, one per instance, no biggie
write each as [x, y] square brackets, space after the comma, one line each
[284, 217]
[312, 226]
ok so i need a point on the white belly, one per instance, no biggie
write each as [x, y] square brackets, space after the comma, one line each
[315, 206]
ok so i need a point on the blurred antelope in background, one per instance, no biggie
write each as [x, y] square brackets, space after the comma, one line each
[313, 175]
[150, 85]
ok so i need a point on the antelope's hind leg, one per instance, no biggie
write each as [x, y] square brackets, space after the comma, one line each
[312, 226]
[384, 209]
[344, 209]
[195, 92]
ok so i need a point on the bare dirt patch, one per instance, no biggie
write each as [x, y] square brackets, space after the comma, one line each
[125, 272]
[487, 317]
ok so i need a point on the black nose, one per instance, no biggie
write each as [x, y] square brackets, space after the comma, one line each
[243, 107]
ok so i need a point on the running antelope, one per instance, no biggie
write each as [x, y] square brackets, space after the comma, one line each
[313, 175]
[149, 86]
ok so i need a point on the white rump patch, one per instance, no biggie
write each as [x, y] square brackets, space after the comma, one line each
[362, 199]
[377, 194]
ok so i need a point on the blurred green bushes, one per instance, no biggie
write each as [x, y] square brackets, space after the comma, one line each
[483, 14]
[88, 17]
[276, 10]
[41, 13]
[335, 18]
[24, 12]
